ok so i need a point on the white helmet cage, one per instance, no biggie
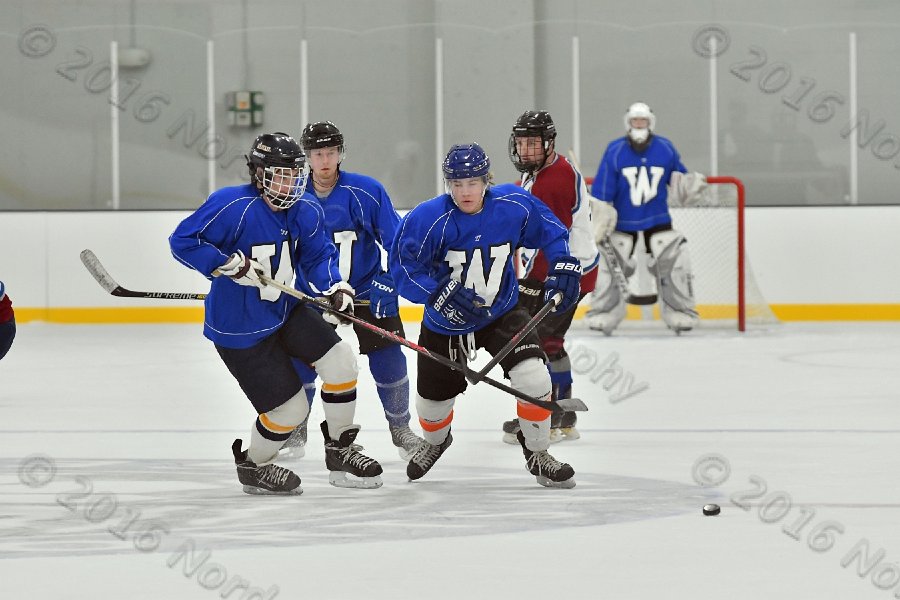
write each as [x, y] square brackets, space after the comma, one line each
[639, 110]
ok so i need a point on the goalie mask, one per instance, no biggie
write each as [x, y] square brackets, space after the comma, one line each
[639, 110]
[278, 169]
[536, 124]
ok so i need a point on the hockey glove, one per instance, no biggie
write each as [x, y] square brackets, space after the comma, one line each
[531, 295]
[243, 270]
[603, 219]
[340, 296]
[565, 277]
[459, 305]
[383, 297]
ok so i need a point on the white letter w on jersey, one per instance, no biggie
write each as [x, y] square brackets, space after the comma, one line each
[643, 188]
[486, 286]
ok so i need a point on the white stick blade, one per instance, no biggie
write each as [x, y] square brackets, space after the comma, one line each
[92, 264]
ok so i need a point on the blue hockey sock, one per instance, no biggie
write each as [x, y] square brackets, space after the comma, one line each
[308, 377]
[388, 367]
[561, 377]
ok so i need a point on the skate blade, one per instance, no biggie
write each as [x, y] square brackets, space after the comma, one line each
[510, 438]
[292, 453]
[256, 491]
[567, 484]
[343, 479]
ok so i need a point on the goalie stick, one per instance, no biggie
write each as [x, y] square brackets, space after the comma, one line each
[618, 274]
[106, 281]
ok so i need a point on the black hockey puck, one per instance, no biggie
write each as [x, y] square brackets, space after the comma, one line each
[711, 510]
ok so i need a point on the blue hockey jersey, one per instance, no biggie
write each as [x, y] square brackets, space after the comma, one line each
[436, 240]
[237, 218]
[361, 220]
[637, 182]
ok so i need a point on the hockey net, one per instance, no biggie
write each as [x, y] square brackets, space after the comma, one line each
[725, 289]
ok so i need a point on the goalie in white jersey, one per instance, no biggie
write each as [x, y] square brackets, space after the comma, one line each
[638, 174]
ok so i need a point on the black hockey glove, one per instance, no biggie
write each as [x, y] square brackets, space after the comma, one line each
[459, 305]
[531, 295]
[340, 296]
[565, 277]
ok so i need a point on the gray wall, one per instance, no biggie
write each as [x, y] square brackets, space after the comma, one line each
[371, 70]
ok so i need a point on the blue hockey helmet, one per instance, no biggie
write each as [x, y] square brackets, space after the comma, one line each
[465, 161]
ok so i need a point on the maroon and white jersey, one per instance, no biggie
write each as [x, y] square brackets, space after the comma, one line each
[561, 187]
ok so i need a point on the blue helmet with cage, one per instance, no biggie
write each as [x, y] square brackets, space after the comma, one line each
[465, 161]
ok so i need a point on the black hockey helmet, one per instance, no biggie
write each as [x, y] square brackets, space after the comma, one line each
[532, 123]
[278, 168]
[323, 134]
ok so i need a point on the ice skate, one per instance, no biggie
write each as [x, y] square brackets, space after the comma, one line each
[548, 471]
[510, 429]
[425, 457]
[562, 427]
[266, 480]
[405, 440]
[348, 467]
[294, 447]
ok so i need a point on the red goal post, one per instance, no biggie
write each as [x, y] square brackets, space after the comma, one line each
[714, 225]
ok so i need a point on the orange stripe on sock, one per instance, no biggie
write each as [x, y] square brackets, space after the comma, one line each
[429, 426]
[273, 426]
[531, 412]
[334, 388]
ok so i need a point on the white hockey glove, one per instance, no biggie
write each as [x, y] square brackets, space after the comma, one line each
[603, 219]
[243, 270]
[686, 189]
[340, 296]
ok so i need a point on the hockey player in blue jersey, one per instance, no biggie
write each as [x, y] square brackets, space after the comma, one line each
[269, 227]
[361, 220]
[455, 254]
[635, 175]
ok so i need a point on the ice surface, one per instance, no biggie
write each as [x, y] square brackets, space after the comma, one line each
[116, 458]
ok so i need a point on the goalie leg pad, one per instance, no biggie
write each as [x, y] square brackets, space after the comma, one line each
[608, 304]
[670, 262]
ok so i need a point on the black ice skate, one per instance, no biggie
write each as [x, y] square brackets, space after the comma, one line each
[405, 440]
[425, 457]
[510, 429]
[348, 466]
[266, 480]
[548, 471]
[294, 447]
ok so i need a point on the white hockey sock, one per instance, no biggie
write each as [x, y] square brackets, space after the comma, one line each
[536, 433]
[262, 451]
[435, 417]
[339, 416]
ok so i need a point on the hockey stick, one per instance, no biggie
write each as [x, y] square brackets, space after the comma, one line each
[569, 404]
[106, 281]
[617, 273]
[92, 263]
[512, 343]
